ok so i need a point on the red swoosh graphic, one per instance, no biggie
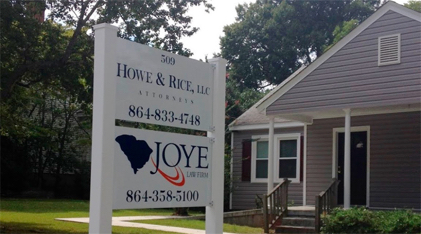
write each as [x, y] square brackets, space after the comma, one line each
[172, 179]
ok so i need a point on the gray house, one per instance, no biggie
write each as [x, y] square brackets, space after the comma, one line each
[352, 114]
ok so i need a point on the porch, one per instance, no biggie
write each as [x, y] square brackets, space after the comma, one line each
[375, 155]
[278, 215]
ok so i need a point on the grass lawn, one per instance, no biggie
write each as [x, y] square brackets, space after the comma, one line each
[200, 224]
[38, 216]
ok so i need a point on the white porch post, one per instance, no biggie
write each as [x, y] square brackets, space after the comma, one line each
[270, 154]
[305, 166]
[347, 160]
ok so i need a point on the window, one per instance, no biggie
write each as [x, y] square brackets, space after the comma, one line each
[286, 158]
[262, 160]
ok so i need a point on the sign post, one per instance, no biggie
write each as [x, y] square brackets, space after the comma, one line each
[100, 202]
[215, 211]
[135, 168]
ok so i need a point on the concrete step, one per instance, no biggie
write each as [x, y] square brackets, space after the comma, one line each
[298, 221]
[301, 213]
[294, 229]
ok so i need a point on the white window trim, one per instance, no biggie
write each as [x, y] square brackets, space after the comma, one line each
[254, 158]
[277, 137]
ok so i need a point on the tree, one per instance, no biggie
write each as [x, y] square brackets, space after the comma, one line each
[414, 5]
[43, 134]
[238, 100]
[160, 23]
[341, 31]
[272, 38]
[46, 84]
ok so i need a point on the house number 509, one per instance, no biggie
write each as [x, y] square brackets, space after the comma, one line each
[167, 60]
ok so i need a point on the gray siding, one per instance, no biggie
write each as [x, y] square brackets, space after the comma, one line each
[244, 192]
[395, 163]
[351, 77]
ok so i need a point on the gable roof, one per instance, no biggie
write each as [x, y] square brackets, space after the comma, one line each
[293, 80]
[253, 119]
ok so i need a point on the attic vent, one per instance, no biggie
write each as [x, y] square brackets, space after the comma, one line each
[389, 49]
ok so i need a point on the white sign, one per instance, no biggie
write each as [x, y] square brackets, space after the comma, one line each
[158, 87]
[137, 83]
[159, 169]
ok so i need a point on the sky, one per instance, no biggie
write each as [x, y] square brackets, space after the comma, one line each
[206, 40]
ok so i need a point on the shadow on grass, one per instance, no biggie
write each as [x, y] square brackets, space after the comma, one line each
[18, 227]
[44, 206]
[79, 208]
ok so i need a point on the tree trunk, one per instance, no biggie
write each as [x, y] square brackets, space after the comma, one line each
[61, 150]
[182, 211]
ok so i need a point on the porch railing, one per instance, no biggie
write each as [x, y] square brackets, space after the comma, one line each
[275, 205]
[325, 202]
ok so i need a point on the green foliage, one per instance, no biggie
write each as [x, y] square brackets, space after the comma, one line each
[399, 221]
[44, 95]
[239, 99]
[82, 180]
[361, 220]
[47, 80]
[355, 220]
[34, 52]
[44, 133]
[341, 31]
[227, 177]
[414, 5]
[272, 39]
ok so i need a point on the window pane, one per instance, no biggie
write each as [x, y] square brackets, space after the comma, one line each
[287, 168]
[262, 149]
[262, 169]
[288, 148]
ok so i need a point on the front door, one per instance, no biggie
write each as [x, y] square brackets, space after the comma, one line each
[358, 168]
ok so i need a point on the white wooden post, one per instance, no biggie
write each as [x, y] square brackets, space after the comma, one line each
[100, 209]
[271, 158]
[347, 160]
[215, 211]
[232, 168]
[305, 166]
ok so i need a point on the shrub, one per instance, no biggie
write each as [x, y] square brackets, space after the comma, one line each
[361, 220]
[400, 221]
[355, 220]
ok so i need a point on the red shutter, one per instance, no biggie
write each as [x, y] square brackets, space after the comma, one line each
[246, 161]
[301, 157]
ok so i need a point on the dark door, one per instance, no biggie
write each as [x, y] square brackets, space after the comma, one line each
[358, 168]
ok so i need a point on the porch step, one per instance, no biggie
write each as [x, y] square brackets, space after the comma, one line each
[294, 229]
[298, 221]
[301, 213]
